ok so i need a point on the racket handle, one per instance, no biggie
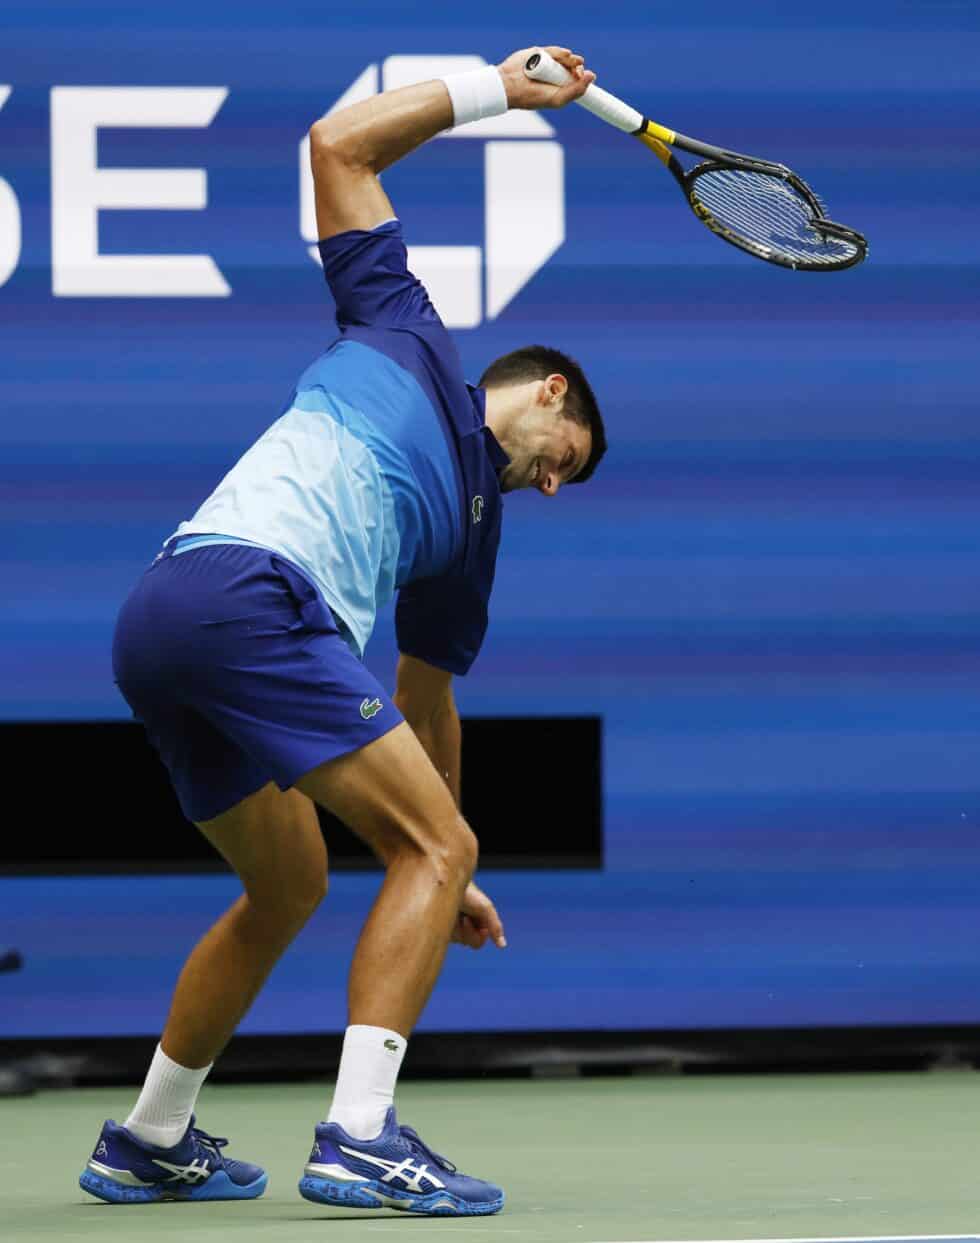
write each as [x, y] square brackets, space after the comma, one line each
[540, 66]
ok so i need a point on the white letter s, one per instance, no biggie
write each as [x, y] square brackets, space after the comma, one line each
[10, 236]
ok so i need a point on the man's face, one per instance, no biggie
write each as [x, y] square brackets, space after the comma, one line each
[546, 450]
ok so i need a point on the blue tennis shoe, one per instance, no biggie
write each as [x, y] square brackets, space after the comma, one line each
[396, 1170]
[124, 1170]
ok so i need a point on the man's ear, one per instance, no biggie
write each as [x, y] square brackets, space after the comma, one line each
[556, 386]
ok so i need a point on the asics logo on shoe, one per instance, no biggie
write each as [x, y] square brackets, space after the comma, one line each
[370, 708]
[411, 1175]
[192, 1173]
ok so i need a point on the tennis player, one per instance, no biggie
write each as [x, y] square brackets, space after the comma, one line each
[240, 651]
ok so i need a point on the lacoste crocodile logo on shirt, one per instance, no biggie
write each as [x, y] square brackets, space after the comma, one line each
[370, 708]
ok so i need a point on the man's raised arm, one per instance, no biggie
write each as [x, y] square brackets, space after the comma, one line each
[350, 147]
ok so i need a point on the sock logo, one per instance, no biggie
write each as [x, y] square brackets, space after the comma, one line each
[390, 1044]
[370, 708]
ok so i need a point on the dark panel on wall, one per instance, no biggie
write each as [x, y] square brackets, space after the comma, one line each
[108, 805]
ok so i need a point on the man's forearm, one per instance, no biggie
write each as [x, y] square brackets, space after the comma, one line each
[380, 130]
[350, 147]
[441, 738]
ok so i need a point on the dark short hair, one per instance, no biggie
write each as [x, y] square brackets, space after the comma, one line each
[537, 362]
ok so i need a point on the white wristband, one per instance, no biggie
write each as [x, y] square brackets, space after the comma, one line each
[476, 94]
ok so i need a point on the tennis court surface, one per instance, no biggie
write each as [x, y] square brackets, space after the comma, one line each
[594, 1160]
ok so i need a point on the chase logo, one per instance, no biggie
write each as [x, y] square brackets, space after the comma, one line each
[524, 191]
[370, 708]
[523, 199]
[478, 503]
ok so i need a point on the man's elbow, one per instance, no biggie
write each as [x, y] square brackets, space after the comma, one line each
[334, 144]
[324, 139]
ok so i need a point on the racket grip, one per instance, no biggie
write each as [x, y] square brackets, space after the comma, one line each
[540, 66]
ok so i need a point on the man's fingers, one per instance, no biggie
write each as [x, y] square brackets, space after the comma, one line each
[474, 932]
[570, 60]
[494, 927]
[576, 89]
[478, 908]
[582, 78]
[467, 933]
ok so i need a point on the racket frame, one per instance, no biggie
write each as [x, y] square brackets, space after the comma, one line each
[542, 67]
[713, 159]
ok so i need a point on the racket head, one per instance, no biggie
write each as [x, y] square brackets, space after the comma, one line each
[768, 211]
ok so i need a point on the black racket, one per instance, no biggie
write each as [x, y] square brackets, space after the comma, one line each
[760, 207]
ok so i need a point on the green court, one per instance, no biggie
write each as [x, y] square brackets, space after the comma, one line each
[594, 1160]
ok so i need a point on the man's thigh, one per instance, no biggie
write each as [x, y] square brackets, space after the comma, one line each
[388, 793]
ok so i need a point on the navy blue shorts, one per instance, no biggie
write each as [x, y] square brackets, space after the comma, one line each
[236, 667]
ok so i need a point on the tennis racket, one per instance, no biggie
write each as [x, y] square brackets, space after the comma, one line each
[760, 207]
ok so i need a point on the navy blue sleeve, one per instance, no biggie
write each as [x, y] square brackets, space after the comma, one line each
[442, 621]
[367, 271]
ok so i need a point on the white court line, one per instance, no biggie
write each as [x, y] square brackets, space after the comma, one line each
[844, 1238]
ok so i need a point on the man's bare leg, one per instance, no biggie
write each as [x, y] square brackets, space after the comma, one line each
[273, 841]
[390, 795]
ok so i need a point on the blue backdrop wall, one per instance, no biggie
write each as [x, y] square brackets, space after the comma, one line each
[769, 591]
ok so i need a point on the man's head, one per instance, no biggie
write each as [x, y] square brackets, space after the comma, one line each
[543, 411]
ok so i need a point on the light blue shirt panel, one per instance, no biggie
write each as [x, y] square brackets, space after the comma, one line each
[311, 491]
[386, 409]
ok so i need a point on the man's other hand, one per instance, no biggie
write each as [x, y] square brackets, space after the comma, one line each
[478, 921]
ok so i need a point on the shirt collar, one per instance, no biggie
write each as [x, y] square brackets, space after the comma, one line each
[498, 458]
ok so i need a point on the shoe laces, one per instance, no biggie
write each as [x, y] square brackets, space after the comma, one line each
[413, 1137]
[209, 1141]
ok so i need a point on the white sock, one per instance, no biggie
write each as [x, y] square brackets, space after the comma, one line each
[369, 1066]
[163, 1111]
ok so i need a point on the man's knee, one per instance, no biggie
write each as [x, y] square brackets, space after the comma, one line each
[450, 849]
[288, 899]
[310, 890]
[468, 848]
[294, 880]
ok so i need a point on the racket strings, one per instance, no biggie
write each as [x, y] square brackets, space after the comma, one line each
[765, 212]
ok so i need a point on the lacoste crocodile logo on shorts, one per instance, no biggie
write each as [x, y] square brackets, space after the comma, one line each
[370, 708]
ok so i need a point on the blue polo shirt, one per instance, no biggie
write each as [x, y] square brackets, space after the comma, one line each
[381, 474]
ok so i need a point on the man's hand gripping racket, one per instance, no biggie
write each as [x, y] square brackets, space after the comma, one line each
[761, 207]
